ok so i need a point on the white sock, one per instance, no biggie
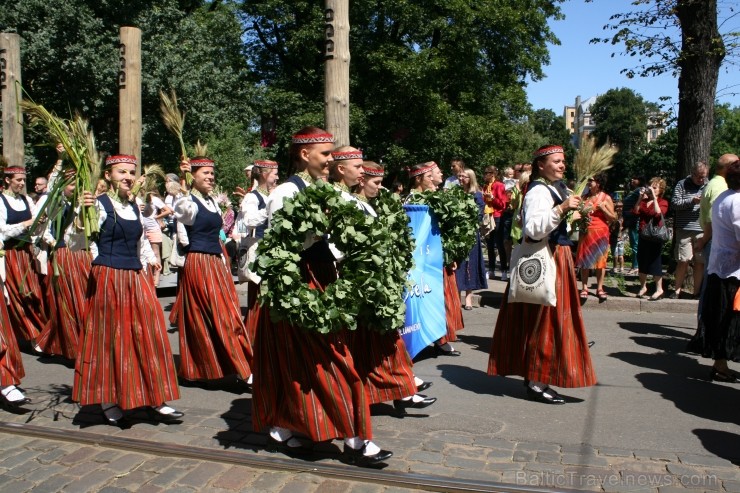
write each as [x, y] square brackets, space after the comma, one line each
[371, 448]
[250, 379]
[418, 381]
[12, 394]
[280, 434]
[354, 442]
[418, 397]
[537, 386]
[164, 409]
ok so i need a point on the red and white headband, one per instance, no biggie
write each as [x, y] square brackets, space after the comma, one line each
[424, 169]
[547, 150]
[313, 139]
[346, 155]
[15, 170]
[120, 158]
[373, 171]
[200, 163]
[264, 164]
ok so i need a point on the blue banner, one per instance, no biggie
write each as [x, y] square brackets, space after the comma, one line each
[425, 300]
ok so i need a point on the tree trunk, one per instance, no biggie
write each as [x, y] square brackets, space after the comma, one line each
[10, 86]
[336, 70]
[702, 52]
[129, 92]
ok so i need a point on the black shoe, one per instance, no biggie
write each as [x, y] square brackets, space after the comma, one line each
[14, 405]
[720, 376]
[401, 405]
[446, 350]
[358, 457]
[113, 415]
[244, 384]
[548, 396]
[274, 446]
[591, 343]
[167, 417]
[674, 296]
[423, 386]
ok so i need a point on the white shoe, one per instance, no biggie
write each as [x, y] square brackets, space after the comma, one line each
[504, 276]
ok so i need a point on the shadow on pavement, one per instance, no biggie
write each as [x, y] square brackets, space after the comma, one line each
[479, 343]
[653, 329]
[720, 443]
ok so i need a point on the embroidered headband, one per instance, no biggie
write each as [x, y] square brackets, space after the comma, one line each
[427, 167]
[373, 171]
[547, 151]
[15, 170]
[266, 164]
[313, 139]
[346, 155]
[120, 158]
[200, 163]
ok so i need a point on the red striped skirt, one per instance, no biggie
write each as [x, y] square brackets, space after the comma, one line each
[453, 307]
[593, 247]
[383, 364]
[27, 306]
[124, 353]
[544, 343]
[66, 295]
[213, 341]
[175, 310]
[253, 308]
[305, 381]
[11, 363]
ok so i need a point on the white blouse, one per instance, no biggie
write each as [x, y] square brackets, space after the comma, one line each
[724, 258]
[540, 216]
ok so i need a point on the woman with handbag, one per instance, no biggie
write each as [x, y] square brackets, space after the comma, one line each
[471, 273]
[650, 210]
[546, 345]
[593, 246]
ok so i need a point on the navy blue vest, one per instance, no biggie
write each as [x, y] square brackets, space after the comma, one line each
[259, 231]
[560, 235]
[118, 243]
[16, 217]
[319, 251]
[203, 234]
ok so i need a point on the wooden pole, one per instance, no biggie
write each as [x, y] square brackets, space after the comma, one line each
[129, 92]
[336, 70]
[10, 86]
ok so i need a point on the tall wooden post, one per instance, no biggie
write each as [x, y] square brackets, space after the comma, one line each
[336, 70]
[129, 92]
[10, 84]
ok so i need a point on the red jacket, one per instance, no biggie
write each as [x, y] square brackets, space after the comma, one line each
[497, 201]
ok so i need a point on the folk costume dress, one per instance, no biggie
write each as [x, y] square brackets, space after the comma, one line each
[305, 381]
[471, 273]
[125, 355]
[544, 343]
[11, 364]
[593, 247]
[26, 302]
[381, 359]
[73, 255]
[213, 341]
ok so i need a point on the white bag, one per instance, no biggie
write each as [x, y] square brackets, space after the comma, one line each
[177, 257]
[533, 274]
[247, 255]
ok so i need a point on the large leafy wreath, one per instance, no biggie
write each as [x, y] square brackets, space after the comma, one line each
[320, 210]
[457, 215]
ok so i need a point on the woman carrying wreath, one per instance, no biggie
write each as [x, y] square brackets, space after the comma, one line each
[593, 246]
[213, 341]
[428, 176]
[124, 359]
[305, 382]
[380, 359]
[544, 344]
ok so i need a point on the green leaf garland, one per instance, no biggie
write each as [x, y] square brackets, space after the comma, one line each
[457, 215]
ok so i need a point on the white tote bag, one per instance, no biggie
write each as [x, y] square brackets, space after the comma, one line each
[533, 274]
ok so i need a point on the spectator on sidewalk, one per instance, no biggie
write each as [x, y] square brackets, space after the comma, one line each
[631, 221]
[457, 166]
[649, 208]
[685, 203]
[494, 194]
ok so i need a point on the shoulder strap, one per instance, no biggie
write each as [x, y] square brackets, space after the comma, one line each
[260, 200]
[297, 181]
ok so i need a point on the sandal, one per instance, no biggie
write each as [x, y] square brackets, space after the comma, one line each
[601, 294]
[584, 294]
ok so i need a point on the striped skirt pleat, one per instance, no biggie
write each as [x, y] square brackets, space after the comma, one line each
[543, 343]
[453, 307]
[251, 319]
[593, 248]
[11, 363]
[27, 306]
[67, 303]
[175, 310]
[124, 354]
[383, 364]
[213, 341]
[306, 381]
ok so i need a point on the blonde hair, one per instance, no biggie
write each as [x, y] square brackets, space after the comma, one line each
[472, 182]
[661, 184]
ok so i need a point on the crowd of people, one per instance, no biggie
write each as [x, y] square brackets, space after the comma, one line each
[308, 386]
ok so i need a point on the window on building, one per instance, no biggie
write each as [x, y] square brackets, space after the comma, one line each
[572, 114]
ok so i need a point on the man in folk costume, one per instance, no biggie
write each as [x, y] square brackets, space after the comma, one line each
[305, 382]
[26, 303]
[381, 359]
[72, 257]
[124, 360]
[252, 223]
[546, 345]
[213, 341]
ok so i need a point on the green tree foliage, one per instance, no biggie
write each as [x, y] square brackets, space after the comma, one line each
[69, 56]
[726, 136]
[429, 79]
[659, 158]
[552, 129]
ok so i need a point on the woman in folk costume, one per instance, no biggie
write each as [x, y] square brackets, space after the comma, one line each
[544, 344]
[72, 254]
[381, 359]
[428, 176]
[213, 342]
[252, 222]
[124, 358]
[305, 382]
[26, 303]
[471, 273]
